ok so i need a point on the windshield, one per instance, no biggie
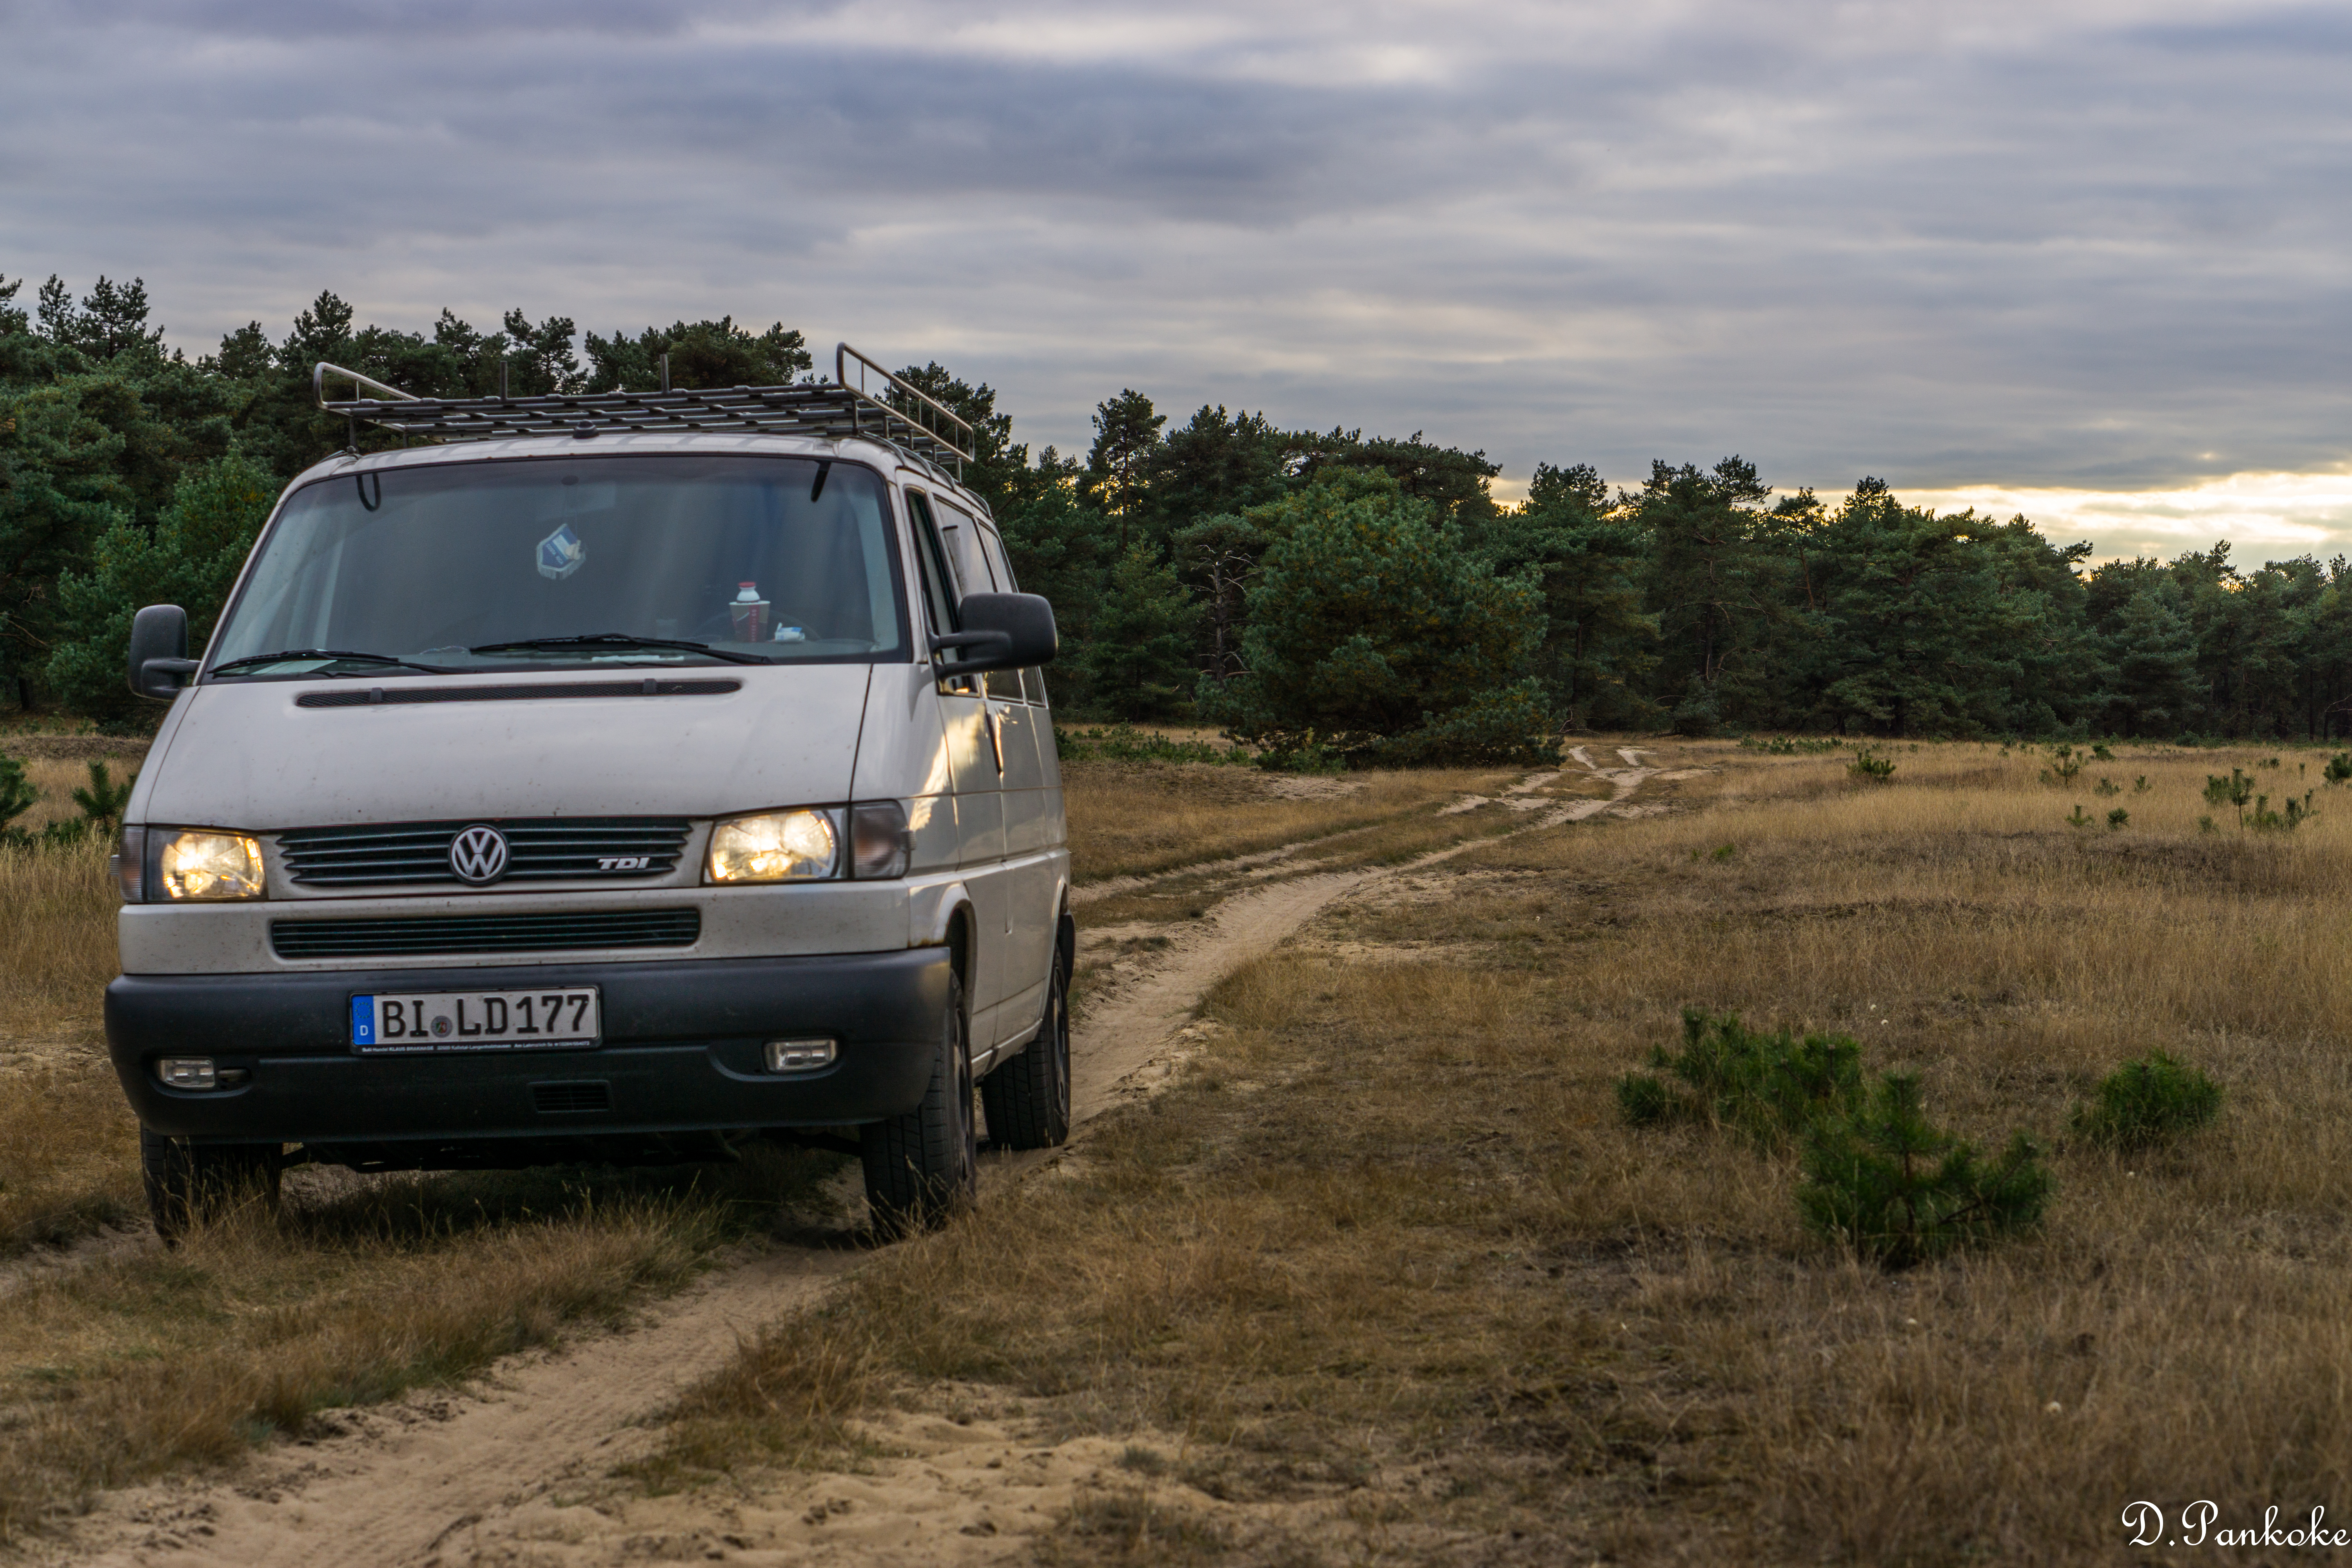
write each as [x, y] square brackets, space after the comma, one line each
[757, 559]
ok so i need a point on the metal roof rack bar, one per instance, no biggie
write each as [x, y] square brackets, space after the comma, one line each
[843, 354]
[833, 410]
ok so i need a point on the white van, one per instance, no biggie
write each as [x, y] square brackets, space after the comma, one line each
[620, 777]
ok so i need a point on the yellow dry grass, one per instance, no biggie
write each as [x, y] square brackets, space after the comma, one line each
[57, 938]
[1389, 1263]
[56, 779]
[147, 1362]
[1131, 819]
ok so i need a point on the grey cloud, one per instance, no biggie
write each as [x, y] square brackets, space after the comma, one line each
[2064, 251]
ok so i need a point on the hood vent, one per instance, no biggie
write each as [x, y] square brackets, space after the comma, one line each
[388, 696]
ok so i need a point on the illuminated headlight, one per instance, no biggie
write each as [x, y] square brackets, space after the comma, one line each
[779, 847]
[206, 865]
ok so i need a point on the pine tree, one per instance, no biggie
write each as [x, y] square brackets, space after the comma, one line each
[1139, 658]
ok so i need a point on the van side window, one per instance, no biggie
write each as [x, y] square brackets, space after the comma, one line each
[933, 567]
[978, 570]
[993, 548]
[1031, 685]
[936, 597]
[966, 558]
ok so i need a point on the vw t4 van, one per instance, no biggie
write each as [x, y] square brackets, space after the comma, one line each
[622, 778]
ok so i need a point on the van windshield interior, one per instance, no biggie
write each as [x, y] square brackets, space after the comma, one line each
[495, 564]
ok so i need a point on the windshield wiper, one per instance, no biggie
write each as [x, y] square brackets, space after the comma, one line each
[618, 639]
[291, 655]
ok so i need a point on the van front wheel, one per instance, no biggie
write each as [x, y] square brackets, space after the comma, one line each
[187, 1183]
[923, 1166]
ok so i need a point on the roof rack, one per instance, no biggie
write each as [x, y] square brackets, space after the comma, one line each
[902, 415]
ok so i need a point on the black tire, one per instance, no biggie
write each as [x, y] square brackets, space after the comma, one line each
[1028, 1099]
[187, 1183]
[923, 1167]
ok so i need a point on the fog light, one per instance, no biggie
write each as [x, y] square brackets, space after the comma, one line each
[187, 1072]
[799, 1056]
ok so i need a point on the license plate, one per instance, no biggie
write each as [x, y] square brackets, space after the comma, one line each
[552, 1019]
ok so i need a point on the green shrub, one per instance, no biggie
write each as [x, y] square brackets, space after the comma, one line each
[1898, 1191]
[2118, 818]
[1782, 746]
[2065, 763]
[1373, 626]
[1770, 1086]
[2146, 1101]
[2106, 787]
[2235, 790]
[2263, 819]
[1126, 743]
[17, 794]
[2339, 768]
[189, 558]
[1870, 767]
[101, 803]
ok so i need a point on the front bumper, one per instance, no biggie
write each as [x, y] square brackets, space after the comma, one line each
[681, 1055]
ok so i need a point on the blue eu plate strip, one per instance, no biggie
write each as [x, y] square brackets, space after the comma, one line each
[362, 1020]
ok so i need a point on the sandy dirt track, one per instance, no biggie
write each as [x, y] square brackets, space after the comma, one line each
[497, 1474]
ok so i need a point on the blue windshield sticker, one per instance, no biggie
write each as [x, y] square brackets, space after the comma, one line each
[362, 1020]
[561, 553]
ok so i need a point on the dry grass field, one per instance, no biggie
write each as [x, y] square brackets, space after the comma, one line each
[1383, 1277]
[118, 1360]
[1138, 820]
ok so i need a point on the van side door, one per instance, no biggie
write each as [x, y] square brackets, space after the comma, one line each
[975, 759]
[1033, 815]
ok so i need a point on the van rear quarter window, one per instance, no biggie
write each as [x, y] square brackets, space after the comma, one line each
[749, 556]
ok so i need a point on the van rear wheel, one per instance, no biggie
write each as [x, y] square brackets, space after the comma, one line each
[1028, 1099]
[924, 1166]
[188, 1182]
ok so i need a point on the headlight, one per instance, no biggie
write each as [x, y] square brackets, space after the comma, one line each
[206, 865]
[779, 846]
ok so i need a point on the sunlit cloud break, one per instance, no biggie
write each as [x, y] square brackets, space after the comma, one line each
[2262, 515]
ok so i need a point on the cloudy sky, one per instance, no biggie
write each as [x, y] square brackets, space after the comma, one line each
[2077, 257]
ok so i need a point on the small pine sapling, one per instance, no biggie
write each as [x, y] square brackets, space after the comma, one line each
[102, 802]
[2235, 790]
[2079, 819]
[2149, 1100]
[2065, 763]
[1898, 1191]
[1870, 767]
[2339, 768]
[17, 793]
[2118, 818]
[2139, 784]
[1770, 1086]
[2100, 750]
[2106, 787]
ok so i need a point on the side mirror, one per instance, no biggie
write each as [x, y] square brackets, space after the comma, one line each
[160, 663]
[1002, 631]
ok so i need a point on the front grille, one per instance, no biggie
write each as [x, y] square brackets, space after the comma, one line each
[536, 851]
[579, 1095]
[536, 691]
[485, 933]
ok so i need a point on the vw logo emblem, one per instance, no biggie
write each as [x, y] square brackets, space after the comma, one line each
[478, 855]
